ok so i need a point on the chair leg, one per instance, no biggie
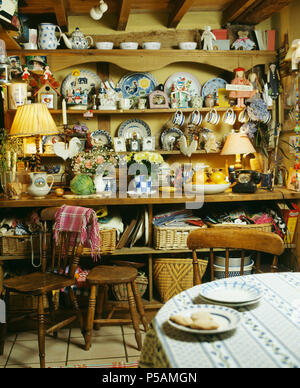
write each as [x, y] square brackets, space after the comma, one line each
[77, 310]
[41, 330]
[3, 326]
[139, 305]
[90, 317]
[134, 315]
[101, 298]
[274, 266]
[51, 309]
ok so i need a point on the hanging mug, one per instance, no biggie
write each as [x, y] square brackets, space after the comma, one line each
[178, 118]
[212, 117]
[229, 117]
[243, 116]
[195, 118]
[47, 38]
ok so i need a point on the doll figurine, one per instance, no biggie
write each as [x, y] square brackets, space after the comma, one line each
[240, 95]
[25, 74]
[273, 81]
[47, 73]
[208, 38]
[256, 84]
[243, 42]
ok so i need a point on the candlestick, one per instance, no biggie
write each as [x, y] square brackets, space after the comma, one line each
[64, 111]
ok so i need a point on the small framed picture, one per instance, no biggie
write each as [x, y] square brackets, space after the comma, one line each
[36, 63]
[119, 144]
[149, 143]
[158, 100]
[47, 99]
[293, 182]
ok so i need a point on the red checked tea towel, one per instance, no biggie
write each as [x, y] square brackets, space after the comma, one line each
[76, 219]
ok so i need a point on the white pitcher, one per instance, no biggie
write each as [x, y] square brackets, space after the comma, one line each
[47, 38]
[39, 187]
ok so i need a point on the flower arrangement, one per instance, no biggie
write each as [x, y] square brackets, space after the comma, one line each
[87, 162]
[141, 159]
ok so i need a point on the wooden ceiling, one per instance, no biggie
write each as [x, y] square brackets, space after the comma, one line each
[234, 11]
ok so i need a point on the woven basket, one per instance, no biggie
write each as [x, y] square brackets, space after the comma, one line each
[120, 290]
[172, 237]
[108, 242]
[21, 245]
[172, 276]
[259, 227]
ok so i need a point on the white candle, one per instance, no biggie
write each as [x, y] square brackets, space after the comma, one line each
[14, 166]
[8, 160]
[64, 112]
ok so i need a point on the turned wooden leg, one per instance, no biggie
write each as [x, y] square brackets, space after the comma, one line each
[139, 304]
[77, 310]
[134, 316]
[274, 266]
[41, 330]
[3, 326]
[102, 292]
[90, 317]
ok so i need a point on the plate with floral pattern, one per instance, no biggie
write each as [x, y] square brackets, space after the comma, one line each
[183, 80]
[212, 86]
[80, 79]
[137, 85]
[129, 127]
[100, 138]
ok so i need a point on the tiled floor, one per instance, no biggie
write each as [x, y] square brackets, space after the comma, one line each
[110, 344]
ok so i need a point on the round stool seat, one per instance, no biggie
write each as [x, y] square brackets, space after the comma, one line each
[106, 274]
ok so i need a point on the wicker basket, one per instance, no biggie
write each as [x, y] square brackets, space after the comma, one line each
[108, 242]
[120, 290]
[21, 245]
[172, 237]
[172, 276]
[259, 227]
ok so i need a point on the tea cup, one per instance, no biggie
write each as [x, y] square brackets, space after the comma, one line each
[212, 117]
[243, 116]
[195, 118]
[178, 118]
[229, 117]
[125, 103]
[151, 45]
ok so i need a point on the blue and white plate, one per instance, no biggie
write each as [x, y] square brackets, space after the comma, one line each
[100, 138]
[137, 85]
[129, 127]
[228, 291]
[227, 318]
[212, 86]
[169, 138]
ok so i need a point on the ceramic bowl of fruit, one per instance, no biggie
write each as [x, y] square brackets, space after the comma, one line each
[209, 184]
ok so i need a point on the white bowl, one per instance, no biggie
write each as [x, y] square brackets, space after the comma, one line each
[207, 189]
[234, 259]
[151, 45]
[104, 45]
[129, 45]
[219, 271]
[188, 45]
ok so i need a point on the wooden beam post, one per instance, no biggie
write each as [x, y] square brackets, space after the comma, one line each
[61, 14]
[124, 15]
[236, 9]
[180, 9]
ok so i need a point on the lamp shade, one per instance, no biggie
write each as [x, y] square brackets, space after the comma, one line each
[33, 120]
[237, 143]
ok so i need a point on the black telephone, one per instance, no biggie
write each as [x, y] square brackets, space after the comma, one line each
[246, 181]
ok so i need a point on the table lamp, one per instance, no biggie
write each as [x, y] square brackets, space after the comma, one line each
[34, 120]
[238, 143]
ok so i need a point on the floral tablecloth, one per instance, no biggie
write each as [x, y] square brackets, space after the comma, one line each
[268, 335]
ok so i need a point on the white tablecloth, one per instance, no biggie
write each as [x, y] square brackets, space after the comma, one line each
[268, 335]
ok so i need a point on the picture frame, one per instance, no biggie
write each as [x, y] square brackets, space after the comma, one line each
[48, 99]
[158, 100]
[36, 63]
[119, 144]
[15, 67]
[149, 143]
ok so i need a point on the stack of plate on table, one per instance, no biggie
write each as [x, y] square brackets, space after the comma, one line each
[230, 293]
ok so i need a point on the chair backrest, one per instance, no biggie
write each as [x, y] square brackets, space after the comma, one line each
[66, 254]
[232, 238]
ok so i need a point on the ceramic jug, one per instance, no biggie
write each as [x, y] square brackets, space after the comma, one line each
[39, 187]
[47, 38]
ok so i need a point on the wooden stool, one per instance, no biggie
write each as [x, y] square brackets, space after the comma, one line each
[103, 276]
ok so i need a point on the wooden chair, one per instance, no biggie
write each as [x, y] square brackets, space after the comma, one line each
[41, 284]
[234, 238]
[102, 276]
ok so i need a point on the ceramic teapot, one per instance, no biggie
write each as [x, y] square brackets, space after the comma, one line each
[39, 187]
[78, 41]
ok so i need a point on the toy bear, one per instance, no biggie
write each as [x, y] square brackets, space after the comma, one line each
[243, 42]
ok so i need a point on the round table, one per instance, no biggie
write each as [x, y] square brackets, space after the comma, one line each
[268, 335]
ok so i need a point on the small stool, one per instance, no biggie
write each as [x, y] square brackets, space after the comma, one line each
[103, 276]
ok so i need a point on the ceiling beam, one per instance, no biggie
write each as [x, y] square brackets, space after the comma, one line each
[124, 15]
[61, 13]
[180, 9]
[236, 9]
[263, 11]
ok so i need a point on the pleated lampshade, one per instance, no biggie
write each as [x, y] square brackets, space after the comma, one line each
[237, 143]
[33, 120]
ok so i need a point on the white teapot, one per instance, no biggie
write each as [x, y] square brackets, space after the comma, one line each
[78, 40]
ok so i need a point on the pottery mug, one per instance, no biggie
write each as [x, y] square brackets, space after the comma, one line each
[125, 103]
[197, 102]
[195, 118]
[229, 117]
[142, 103]
[178, 118]
[243, 116]
[212, 117]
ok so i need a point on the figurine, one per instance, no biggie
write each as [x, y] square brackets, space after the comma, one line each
[208, 38]
[243, 42]
[47, 73]
[273, 81]
[252, 77]
[240, 95]
[25, 74]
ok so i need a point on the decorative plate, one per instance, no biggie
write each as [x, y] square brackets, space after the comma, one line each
[180, 78]
[230, 292]
[169, 137]
[212, 86]
[137, 85]
[100, 137]
[227, 318]
[86, 80]
[129, 127]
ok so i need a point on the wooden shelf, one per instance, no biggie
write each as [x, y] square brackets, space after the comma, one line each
[149, 60]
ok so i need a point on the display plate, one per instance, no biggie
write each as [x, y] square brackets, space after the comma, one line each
[129, 127]
[195, 87]
[137, 85]
[102, 137]
[86, 80]
[212, 86]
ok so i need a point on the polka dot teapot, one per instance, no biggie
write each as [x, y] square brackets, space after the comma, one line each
[78, 40]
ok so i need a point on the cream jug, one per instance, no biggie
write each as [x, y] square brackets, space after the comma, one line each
[39, 187]
[47, 38]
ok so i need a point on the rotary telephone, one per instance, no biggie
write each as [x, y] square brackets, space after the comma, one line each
[245, 181]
